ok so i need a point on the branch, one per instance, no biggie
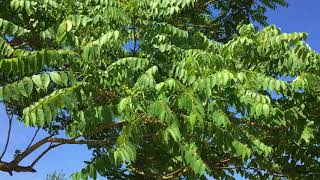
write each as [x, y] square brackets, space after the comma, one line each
[10, 116]
[254, 169]
[206, 4]
[101, 128]
[34, 136]
[62, 141]
[8, 167]
[44, 152]
[14, 166]
[172, 175]
[255, 124]
[176, 173]
[73, 141]
[226, 161]
[31, 149]
[150, 176]
[213, 164]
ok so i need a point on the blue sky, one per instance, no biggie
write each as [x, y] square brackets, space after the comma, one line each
[301, 16]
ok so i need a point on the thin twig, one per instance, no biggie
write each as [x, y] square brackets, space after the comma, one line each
[134, 38]
[10, 116]
[34, 136]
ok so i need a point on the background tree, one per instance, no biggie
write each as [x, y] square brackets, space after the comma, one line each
[56, 176]
[192, 95]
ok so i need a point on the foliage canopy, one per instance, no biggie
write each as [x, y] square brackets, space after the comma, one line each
[192, 96]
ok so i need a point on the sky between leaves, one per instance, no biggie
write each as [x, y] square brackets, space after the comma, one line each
[301, 16]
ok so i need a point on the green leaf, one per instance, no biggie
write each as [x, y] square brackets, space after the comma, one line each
[37, 80]
[241, 149]
[69, 25]
[42, 81]
[56, 78]
[125, 103]
[184, 102]
[175, 132]
[21, 89]
[48, 114]
[40, 117]
[262, 148]
[220, 119]
[45, 78]
[265, 110]
[125, 154]
[28, 85]
[64, 78]
[259, 109]
[308, 132]
[192, 119]
[272, 84]
[131, 152]
[277, 85]
[7, 92]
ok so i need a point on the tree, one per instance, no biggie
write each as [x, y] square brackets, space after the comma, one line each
[192, 96]
[56, 176]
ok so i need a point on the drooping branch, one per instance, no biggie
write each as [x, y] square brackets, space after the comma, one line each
[10, 116]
